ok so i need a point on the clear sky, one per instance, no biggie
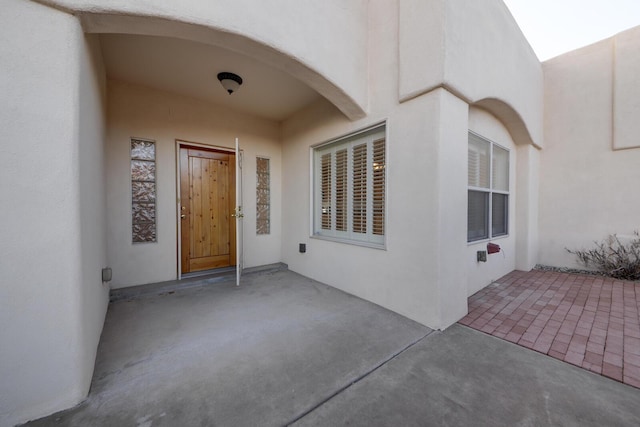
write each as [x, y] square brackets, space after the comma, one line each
[554, 27]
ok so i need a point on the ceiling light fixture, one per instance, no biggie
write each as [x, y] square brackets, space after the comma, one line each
[229, 81]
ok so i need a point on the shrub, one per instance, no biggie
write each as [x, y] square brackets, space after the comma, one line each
[614, 258]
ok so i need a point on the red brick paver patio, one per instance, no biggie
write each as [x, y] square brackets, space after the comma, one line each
[589, 321]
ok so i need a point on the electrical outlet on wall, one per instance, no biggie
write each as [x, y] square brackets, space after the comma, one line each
[106, 274]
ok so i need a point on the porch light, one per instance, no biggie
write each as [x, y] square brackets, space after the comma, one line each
[229, 81]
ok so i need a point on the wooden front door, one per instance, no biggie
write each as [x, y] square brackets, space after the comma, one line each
[207, 200]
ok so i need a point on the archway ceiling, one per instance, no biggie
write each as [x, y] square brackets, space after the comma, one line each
[190, 68]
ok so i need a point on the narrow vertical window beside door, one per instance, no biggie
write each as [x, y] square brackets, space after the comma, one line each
[143, 191]
[263, 196]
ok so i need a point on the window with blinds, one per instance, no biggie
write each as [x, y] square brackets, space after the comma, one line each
[488, 193]
[327, 195]
[350, 188]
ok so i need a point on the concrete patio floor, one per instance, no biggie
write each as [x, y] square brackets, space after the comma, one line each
[285, 350]
[589, 321]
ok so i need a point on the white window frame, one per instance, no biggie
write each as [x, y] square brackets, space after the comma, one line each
[491, 191]
[367, 136]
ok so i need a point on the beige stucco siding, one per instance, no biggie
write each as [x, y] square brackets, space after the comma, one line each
[52, 300]
[475, 49]
[588, 191]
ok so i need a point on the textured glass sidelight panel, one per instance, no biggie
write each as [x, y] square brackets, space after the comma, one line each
[263, 224]
[263, 209]
[263, 227]
[143, 191]
[143, 233]
[143, 170]
[143, 212]
[143, 150]
[262, 166]
[263, 180]
[263, 196]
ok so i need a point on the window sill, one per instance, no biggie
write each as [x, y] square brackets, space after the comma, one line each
[350, 242]
[485, 241]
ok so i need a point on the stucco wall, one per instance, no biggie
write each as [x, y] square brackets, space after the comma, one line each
[527, 206]
[587, 190]
[424, 137]
[403, 277]
[92, 295]
[481, 274]
[475, 49]
[136, 111]
[52, 302]
[626, 89]
[323, 44]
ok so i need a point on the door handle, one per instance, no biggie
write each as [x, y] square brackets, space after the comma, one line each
[183, 216]
[237, 213]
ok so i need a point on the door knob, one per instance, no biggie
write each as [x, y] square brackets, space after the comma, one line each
[183, 216]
